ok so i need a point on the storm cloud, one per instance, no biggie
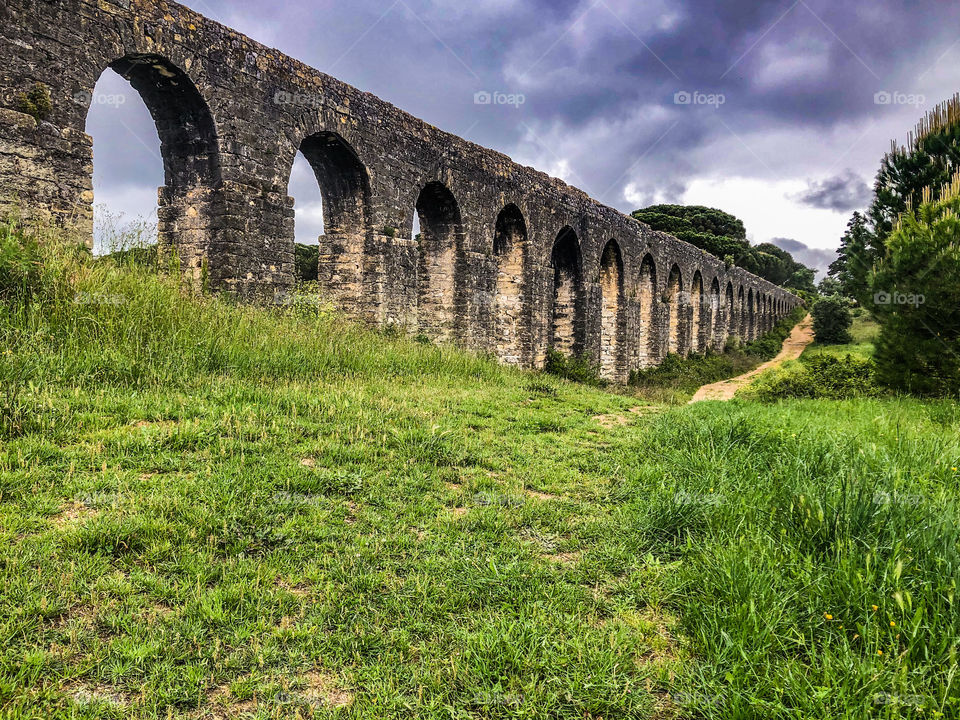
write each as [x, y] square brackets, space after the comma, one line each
[815, 258]
[842, 193]
[633, 102]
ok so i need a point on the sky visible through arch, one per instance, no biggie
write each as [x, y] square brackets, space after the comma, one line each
[775, 111]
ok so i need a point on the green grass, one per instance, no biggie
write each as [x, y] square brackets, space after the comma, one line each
[218, 511]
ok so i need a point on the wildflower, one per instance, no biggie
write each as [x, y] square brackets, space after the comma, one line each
[828, 616]
[879, 652]
[875, 607]
[892, 624]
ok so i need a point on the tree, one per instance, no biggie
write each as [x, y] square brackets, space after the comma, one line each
[856, 259]
[723, 235]
[916, 298]
[829, 286]
[832, 321]
[926, 163]
[306, 259]
[715, 231]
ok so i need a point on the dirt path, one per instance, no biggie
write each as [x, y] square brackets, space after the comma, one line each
[793, 347]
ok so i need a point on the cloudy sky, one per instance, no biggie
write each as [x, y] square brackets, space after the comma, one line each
[777, 111]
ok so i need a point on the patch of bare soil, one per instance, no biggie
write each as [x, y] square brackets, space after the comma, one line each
[74, 513]
[324, 690]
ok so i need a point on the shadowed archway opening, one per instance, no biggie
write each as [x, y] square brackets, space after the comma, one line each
[568, 327]
[510, 249]
[751, 316]
[646, 292]
[440, 241]
[613, 300]
[675, 308]
[728, 326]
[188, 152]
[716, 339]
[697, 299]
[741, 315]
[345, 191]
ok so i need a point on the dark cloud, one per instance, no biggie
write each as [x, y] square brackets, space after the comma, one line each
[841, 193]
[816, 258]
[798, 83]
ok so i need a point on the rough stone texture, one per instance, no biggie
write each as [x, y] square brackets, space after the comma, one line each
[510, 262]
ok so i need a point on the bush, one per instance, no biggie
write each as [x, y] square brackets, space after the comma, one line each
[577, 369]
[818, 376]
[832, 321]
[916, 299]
[36, 103]
[306, 261]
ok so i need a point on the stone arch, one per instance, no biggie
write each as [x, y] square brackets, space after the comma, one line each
[751, 316]
[611, 306]
[189, 150]
[646, 292]
[697, 301]
[567, 321]
[441, 239]
[345, 190]
[675, 308]
[510, 250]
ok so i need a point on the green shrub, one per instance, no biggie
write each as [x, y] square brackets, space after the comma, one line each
[818, 376]
[36, 102]
[832, 321]
[306, 262]
[578, 369]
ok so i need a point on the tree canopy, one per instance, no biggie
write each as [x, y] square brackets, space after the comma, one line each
[723, 235]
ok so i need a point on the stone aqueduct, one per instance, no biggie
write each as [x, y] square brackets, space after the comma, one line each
[509, 261]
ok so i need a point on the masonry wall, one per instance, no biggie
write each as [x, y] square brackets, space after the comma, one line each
[232, 114]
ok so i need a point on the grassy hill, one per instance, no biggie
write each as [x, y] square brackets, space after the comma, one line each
[217, 511]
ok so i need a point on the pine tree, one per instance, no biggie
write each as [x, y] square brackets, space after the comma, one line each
[857, 255]
[928, 161]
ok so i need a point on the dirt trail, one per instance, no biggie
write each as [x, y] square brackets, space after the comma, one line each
[793, 347]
